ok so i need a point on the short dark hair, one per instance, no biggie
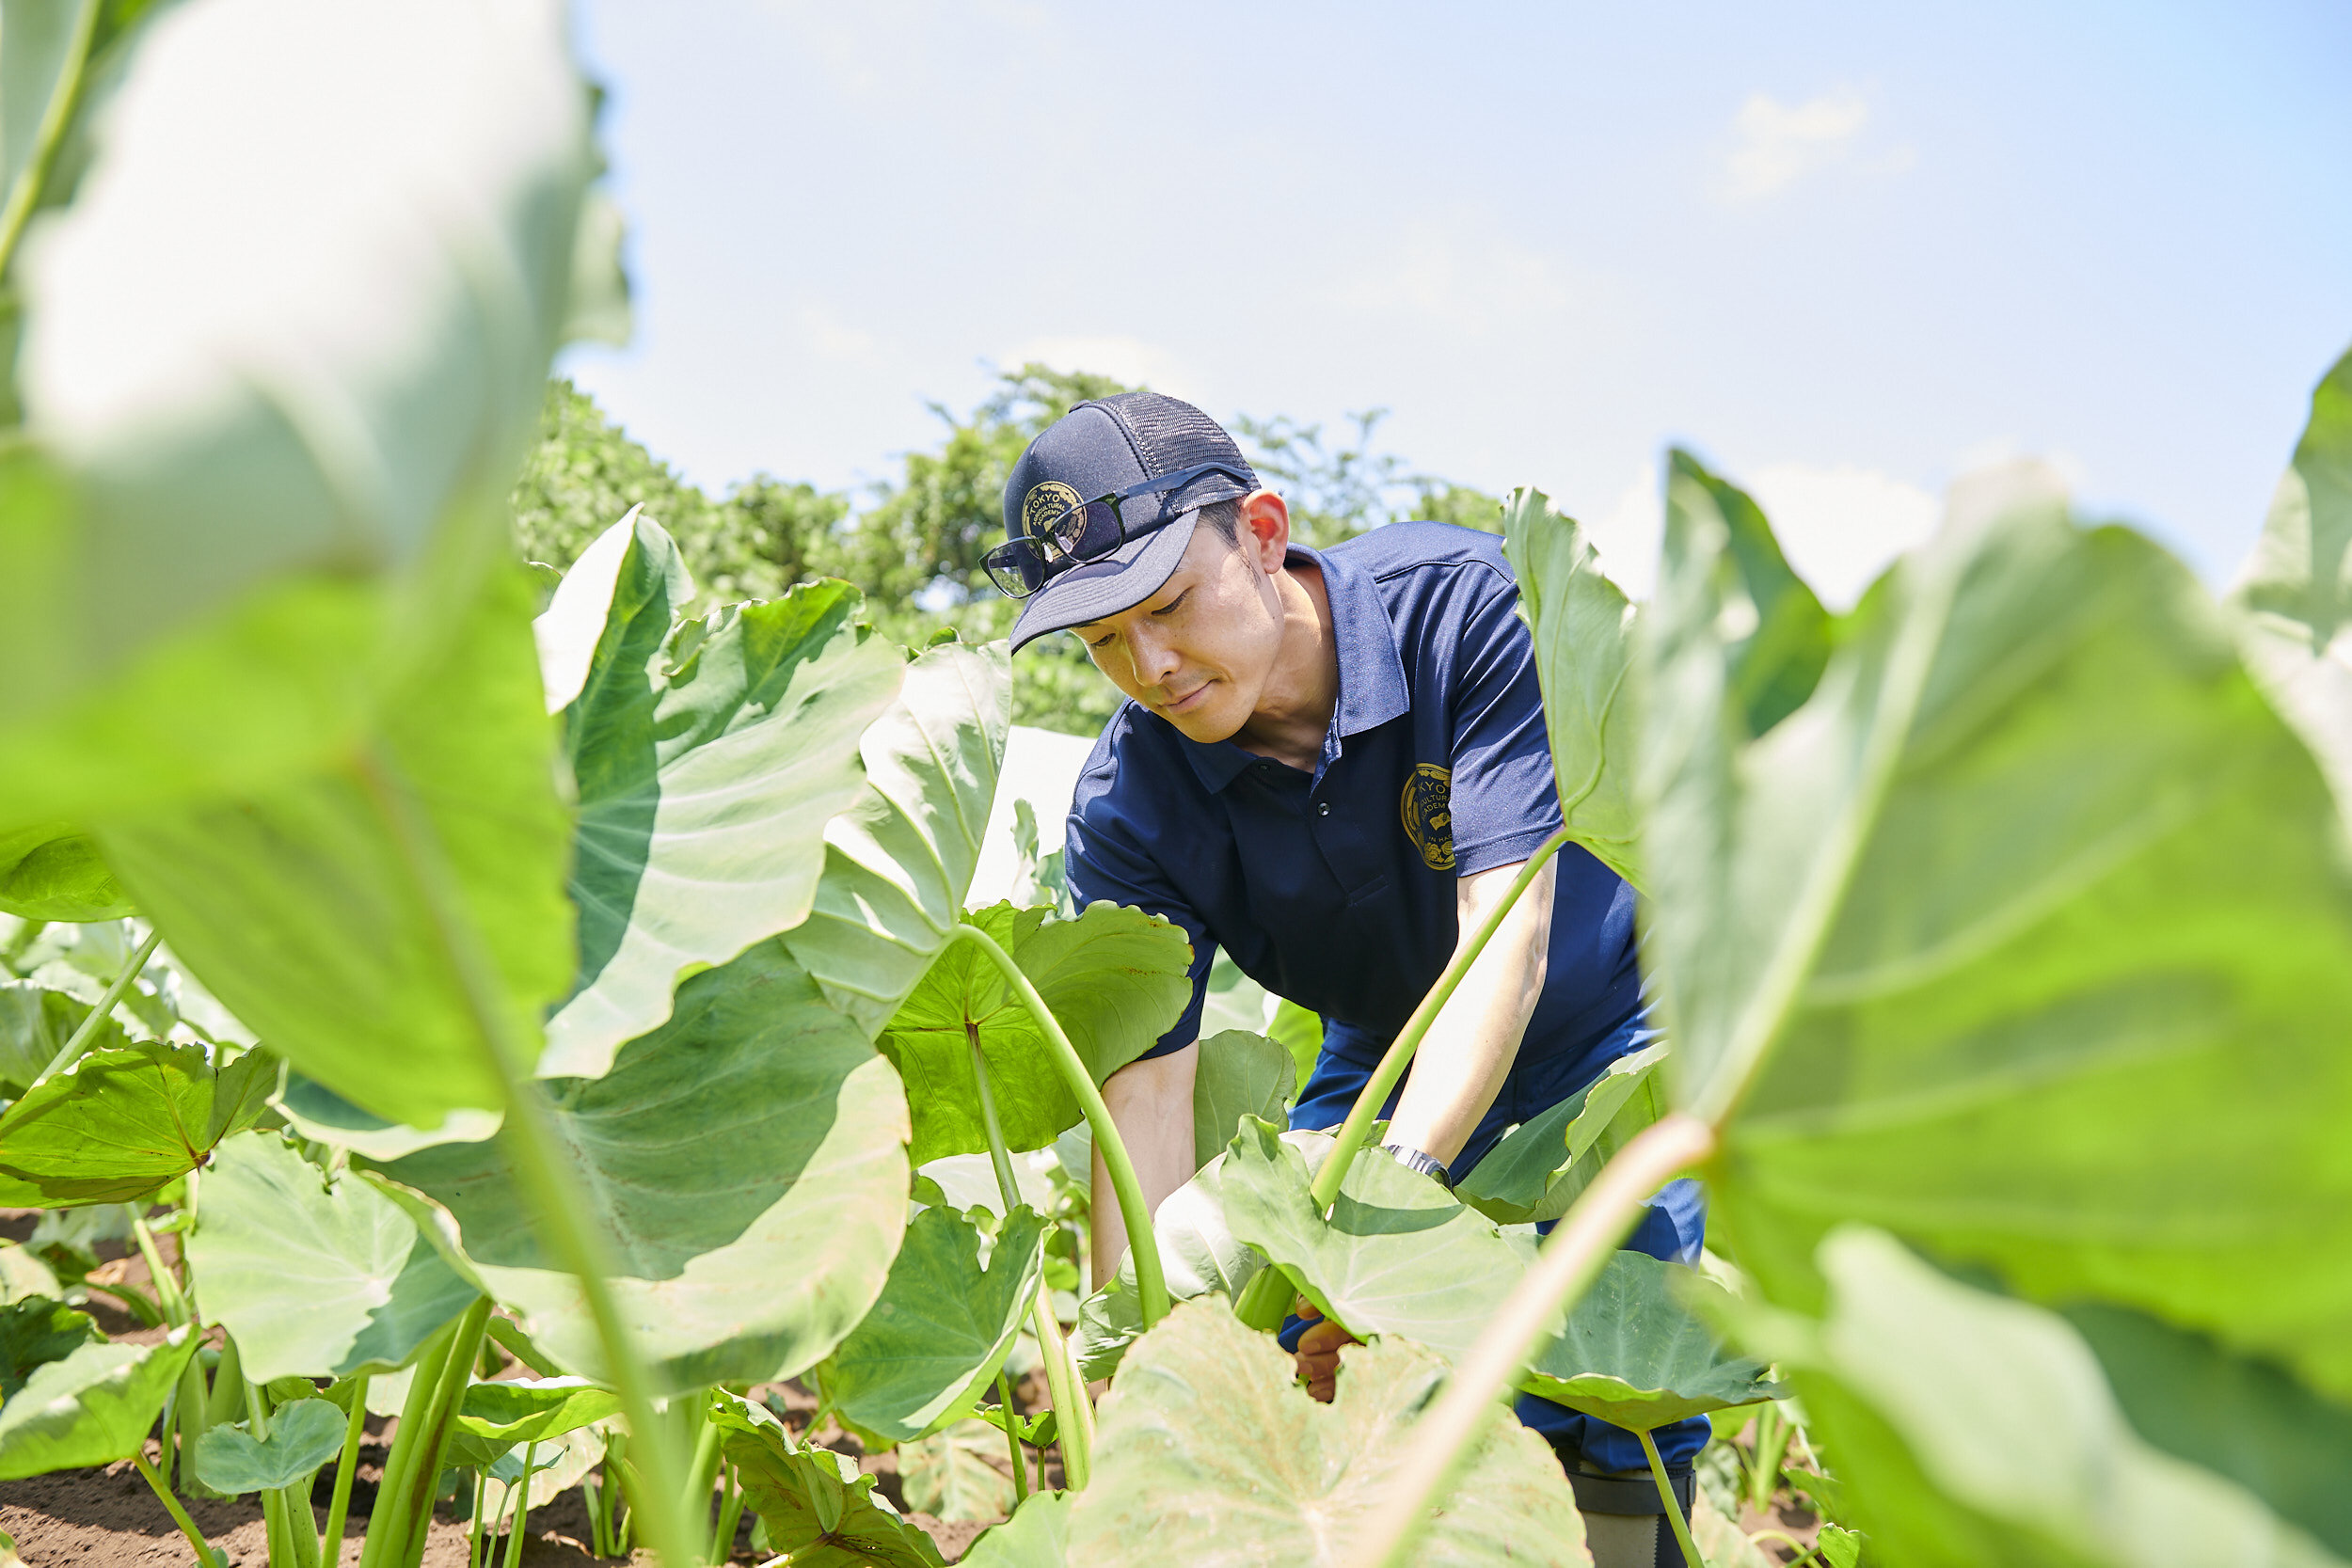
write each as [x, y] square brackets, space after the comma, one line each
[1224, 516]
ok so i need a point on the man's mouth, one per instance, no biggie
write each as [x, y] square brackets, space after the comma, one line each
[1178, 704]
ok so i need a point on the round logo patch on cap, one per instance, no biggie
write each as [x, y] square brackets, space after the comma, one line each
[1046, 501]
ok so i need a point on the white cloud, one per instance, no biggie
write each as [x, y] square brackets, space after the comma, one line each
[1130, 359]
[835, 340]
[1467, 290]
[1840, 526]
[1780, 142]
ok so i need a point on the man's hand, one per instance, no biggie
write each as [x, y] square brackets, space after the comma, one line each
[1318, 1353]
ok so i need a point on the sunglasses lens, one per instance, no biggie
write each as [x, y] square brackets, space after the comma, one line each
[1084, 532]
[1017, 567]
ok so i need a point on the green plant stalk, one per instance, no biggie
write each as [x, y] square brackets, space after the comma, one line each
[188, 1419]
[1441, 1441]
[1266, 1299]
[1150, 1282]
[1074, 1412]
[1399, 1055]
[286, 1509]
[1012, 1440]
[440, 1418]
[385, 1524]
[730, 1514]
[521, 1518]
[346, 1466]
[79, 1041]
[227, 1386]
[556, 1198]
[406, 1495]
[204, 1554]
[481, 1531]
[1764, 1476]
[58, 113]
[1073, 1409]
[1667, 1495]
[702, 1474]
[999, 1156]
[169, 1296]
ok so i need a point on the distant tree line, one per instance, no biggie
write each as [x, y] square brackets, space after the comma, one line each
[913, 542]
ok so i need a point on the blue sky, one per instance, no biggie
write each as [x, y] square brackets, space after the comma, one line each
[1845, 251]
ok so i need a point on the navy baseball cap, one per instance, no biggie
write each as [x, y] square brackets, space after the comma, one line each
[1102, 447]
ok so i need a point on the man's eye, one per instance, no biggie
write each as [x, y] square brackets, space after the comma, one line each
[1169, 608]
[1102, 641]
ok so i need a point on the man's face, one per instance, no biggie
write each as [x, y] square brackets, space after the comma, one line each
[1198, 651]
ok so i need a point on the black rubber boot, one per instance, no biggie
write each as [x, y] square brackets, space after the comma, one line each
[1625, 1520]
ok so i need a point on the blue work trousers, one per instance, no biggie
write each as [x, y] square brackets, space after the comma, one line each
[1674, 1228]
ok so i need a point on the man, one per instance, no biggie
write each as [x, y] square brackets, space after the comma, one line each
[1333, 765]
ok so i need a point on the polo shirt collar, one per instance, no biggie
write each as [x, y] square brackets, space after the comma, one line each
[1372, 673]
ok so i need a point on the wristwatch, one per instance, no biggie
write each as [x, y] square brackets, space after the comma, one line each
[1413, 1159]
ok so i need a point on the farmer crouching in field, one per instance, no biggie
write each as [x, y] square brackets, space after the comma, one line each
[1332, 764]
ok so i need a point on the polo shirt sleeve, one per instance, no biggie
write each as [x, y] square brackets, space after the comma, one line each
[1105, 861]
[1502, 796]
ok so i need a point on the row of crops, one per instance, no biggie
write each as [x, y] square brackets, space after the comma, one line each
[541, 1024]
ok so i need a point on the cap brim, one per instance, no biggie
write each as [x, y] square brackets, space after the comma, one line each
[1120, 580]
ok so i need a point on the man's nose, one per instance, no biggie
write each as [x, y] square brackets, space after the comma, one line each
[1156, 659]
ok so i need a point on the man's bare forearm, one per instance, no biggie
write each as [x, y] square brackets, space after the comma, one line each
[1151, 1102]
[1469, 1049]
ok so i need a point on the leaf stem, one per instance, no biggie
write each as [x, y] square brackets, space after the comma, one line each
[1074, 1412]
[24, 194]
[1150, 1282]
[521, 1523]
[79, 1041]
[1666, 1495]
[168, 1298]
[205, 1556]
[1374, 1093]
[346, 1468]
[1572, 1259]
[1013, 1439]
[1267, 1296]
[730, 1514]
[558, 1203]
[999, 1156]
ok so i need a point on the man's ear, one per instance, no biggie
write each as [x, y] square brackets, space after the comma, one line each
[1266, 529]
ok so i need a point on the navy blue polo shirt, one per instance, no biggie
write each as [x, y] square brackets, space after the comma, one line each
[1336, 889]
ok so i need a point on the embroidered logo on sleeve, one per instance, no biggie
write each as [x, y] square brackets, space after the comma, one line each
[1427, 809]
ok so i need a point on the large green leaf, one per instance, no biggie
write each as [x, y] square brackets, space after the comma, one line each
[2033, 923]
[273, 428]
[898, 861]
[1036, 1535]
[1114, 980]
[2296, 589]
[321, 1115]
[93, 1407]
[1582, 630]
[314, 1276]
[2026, 940]
[750, 1161]
[708, 759]
[1199, 1253]
[1208, 1454]
[940, 1328]
[34, 1332]
[303, 1435]
[1541, 1166]
[1397, 1256]
[35, 1020]
[51, 872]
[347, 915]
[1634, 1353]
[497, 1417]
[1973, 1427]
[1239, 1074]
[819, 1511]
[121, 1123]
